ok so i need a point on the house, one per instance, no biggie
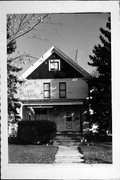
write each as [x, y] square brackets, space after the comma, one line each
[55, 88]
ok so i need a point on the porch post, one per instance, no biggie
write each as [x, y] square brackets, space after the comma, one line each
[21, 110]
[81, 121]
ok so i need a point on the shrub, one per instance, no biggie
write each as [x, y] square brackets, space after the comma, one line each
[36, 132]
[92, 137]
[12, 140]
[12, 129]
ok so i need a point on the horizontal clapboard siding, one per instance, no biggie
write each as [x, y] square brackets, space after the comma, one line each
[76, 88]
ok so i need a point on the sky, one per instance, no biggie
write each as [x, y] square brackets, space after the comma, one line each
[69, 33]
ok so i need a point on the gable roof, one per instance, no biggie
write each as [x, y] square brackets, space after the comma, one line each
[52, 50]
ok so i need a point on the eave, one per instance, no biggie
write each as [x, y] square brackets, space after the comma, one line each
[52, 102]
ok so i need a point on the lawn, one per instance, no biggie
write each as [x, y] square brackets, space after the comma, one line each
[93, 154]
[32, 153]
[97, 153]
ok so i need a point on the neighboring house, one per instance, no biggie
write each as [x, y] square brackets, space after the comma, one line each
[55, 88]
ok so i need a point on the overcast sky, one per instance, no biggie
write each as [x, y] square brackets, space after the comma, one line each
[70, 32]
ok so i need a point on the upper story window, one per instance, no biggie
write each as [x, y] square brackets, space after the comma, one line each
[46, 90]
[62, 90]
[54, 65]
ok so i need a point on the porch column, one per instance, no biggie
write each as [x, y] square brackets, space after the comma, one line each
[81, 121]
[21, 110]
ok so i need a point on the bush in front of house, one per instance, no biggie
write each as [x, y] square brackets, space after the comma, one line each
[91, 136]
[36, 132]
[12, 133]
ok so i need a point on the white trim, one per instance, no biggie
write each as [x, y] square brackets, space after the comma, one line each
[53, 103]
[46, 55]
[38, 107]
[54, 60]
[71, 62]
[36, 64]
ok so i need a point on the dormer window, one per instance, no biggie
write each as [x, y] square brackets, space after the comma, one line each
[54, 65]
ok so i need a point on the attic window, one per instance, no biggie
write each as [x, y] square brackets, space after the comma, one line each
[54, 65]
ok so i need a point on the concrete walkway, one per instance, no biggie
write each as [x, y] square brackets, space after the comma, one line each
[68, 154]
[68, 148]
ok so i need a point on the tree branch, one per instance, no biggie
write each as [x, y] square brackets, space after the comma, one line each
[27, 31]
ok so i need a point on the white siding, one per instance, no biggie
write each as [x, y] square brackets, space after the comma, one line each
[76, 88]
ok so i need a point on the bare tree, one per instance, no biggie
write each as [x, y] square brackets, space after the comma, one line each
[18, 25]
[22, 24]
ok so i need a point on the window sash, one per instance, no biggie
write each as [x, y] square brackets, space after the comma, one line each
[46, 86]
[46, 89]
[62, 90]
[62, 86]
[54, 65]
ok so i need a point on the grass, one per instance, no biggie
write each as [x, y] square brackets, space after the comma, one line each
[97, 153]
[32, 154]
[93, 154]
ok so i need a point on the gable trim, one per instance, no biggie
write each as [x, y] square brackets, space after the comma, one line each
[72, 63]
[47, 55]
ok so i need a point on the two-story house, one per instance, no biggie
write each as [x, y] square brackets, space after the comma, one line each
[55, 88]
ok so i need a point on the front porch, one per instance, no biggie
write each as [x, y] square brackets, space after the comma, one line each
[68, 115]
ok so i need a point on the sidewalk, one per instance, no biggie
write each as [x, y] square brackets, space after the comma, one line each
[68, 155]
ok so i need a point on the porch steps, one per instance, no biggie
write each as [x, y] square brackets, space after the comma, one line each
[67, 139]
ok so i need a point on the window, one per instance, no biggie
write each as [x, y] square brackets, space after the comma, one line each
[69, 118]
[46, 89]
[62, 89]
[54, 65]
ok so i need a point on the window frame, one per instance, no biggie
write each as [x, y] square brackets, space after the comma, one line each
[44, 90]
[54, 61]
[62, 90]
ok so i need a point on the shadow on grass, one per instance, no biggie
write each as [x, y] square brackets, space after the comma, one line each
[99, 158]
[98, 153]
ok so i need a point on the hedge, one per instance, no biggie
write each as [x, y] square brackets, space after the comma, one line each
[36, 132]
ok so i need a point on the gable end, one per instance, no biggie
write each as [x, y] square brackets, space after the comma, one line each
[65, 70]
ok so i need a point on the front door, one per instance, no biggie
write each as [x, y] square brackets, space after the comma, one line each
[67, 118]
[69, 122]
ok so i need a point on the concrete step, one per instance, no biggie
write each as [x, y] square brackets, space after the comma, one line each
[68, 136]
[68, 133]
[67, 140]
[65, 144]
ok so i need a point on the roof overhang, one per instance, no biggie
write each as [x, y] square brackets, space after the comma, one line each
[54, 104]
[46, 103]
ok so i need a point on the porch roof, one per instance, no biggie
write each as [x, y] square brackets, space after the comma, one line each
[49, 102]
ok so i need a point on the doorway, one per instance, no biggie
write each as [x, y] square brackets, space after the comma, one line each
[69, 121]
